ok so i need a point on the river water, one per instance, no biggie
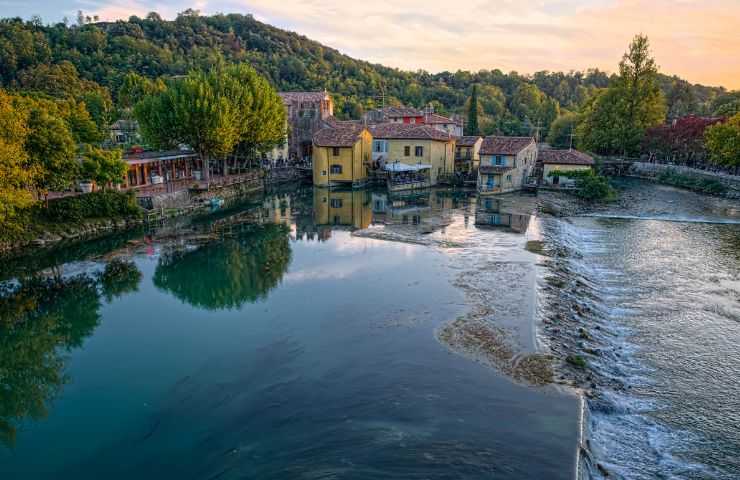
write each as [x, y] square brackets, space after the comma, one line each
[269, 340]
[348, 334]
[659, 280]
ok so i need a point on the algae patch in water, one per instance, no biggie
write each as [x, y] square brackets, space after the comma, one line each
[536, 246]
[473, 337]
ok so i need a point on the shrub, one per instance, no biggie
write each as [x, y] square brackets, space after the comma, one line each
[589, 185]
[104, 204]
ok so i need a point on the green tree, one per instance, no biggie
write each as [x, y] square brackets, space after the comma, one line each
[561, 130]
[212, 112]
[17, 176]
[473, 112]
[194, 111]
[615, 120]
[52, 150]
[135, 88]
[723, 142]
[104, 167]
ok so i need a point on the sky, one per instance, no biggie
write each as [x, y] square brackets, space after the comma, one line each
[698, 40]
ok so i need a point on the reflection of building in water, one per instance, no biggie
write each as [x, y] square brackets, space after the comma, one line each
[489, 213]
[401, 209]
[348, 208]
[277, 209]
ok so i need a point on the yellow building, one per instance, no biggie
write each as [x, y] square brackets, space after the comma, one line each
[413, 145]
[467, 154]
[341, 155]
[554, 161]
[505, 163]
[342, 208]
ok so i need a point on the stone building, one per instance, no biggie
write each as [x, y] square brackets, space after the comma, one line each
[306, 113]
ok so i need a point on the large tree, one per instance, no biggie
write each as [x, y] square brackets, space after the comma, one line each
[212, 112]
[104, 167]
[51, 148]
[562, 131]
[615, 120]
[16, 173]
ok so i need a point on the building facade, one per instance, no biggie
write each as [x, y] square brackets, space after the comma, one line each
[413, 145]
[341, 155]
[467, 154]
[505, 163]
[554, 161]
[306, 113]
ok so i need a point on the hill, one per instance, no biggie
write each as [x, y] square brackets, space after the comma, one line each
[33, 56]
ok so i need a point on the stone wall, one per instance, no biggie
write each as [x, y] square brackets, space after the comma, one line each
[651, 170]
[170, 200]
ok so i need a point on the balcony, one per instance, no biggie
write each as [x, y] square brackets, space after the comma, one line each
[486, 189]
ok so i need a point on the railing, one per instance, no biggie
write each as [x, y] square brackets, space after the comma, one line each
[489, 188]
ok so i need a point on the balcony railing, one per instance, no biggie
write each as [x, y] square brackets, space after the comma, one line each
[489, 188]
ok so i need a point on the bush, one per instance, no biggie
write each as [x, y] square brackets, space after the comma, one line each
[105, 204]
[589, 186]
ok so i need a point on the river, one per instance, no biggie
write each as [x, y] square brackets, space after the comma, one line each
[348, 334]
[655, 283]
[267, 340]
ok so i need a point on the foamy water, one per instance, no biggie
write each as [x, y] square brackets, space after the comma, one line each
[664, 322]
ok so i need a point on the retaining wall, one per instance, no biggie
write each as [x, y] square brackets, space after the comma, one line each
[653, 170]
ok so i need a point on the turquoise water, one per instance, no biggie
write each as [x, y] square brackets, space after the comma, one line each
[265, 341]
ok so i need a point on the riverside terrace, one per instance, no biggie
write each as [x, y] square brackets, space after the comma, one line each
[151, 173]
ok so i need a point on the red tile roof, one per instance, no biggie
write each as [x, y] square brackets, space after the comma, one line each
[467, 141]
[504, 145]
[565, 157]
[344, 135]
[392, 131]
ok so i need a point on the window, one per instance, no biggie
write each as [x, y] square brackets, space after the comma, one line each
[499, 160]
[380, 146]
[508, 178]
[489, 203]
[419, 151]
[336, 169]
[335, 151]
[335, 203]
[323, 173]
[406, 151]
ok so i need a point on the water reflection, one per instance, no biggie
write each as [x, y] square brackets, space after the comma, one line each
[40, 319]
[241, 265]
[342, 208]
[492, 212]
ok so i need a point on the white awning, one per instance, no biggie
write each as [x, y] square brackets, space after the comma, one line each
[403, 167]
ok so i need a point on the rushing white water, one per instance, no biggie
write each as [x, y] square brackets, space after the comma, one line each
[663, 328]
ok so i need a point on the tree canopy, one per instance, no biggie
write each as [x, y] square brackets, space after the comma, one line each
[213, 111]
[615, 120]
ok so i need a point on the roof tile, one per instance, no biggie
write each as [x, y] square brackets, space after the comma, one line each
[494, 145]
